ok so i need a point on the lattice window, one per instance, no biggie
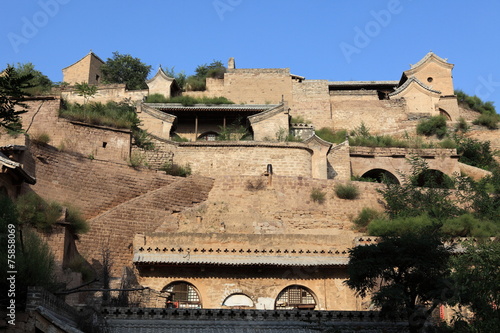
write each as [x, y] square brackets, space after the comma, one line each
[183, 295]
[295, 297]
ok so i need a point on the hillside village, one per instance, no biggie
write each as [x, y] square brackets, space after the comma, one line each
[257, 224]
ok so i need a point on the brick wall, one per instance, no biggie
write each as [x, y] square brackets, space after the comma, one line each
[115, 228]
[258, 86]
[93, 141]
[283, 205]
[244, 158]
[92, 185]
[105, 93]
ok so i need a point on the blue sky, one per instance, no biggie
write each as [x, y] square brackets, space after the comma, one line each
[318, 39]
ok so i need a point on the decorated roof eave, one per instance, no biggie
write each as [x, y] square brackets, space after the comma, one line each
[157, 113]
[160, 73]
[408, 82]
[17, 169]
[431, 56]
[266, 114]
[297, 77]
[316, 139]
[90, 53]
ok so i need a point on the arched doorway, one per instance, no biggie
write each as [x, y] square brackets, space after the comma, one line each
[182, 295]
[444, 114]
[295, 297]
[379, 175]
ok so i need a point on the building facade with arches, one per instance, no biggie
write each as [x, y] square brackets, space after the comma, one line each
[245, 271]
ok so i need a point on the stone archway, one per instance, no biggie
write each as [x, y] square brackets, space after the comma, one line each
[379, 175]
[434, 179]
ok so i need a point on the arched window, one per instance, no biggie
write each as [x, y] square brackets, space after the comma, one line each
[295, 297]
[182, 295]
[238, 301]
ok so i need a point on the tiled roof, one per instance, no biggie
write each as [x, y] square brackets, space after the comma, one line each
[239, 259]
[267, 113]
[211, 107]
[17, 168]
[410, 81]
[426, 57]
[362, 83]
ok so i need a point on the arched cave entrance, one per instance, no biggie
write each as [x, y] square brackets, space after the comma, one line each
[379, 175]
[434, 179]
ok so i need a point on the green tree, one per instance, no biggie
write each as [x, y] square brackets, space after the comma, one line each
[123, 68]
[457, 207]
[12, 92]
[85, 90]
[197, 82]
[34, 262]
[39, 82]
[179, 77]
[476, 276]
[406, 275]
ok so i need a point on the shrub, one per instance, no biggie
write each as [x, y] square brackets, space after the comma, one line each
[462, 125]
[317, 195]
[448, 144]
[194, 83]
[78, 264]
[173, 169]
[488, 120]
[256, 185]
[299, 120]
[365, 217]
[142, 139]
[476, 153]
[40, 138]
[112, 114]
[400, 225]
[178, 138]
[347, 191]
[77, 224]
[36, 212]
[136, 159]
[433, 126]
[364, 179]
[467, 225]
[330, 135]
[156, 98]
[475, 103]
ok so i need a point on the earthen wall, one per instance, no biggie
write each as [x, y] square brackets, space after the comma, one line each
[90, 141]
[215, 159]
[93, 186]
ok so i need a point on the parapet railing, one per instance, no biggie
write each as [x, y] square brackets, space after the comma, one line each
[245, 315]
[38, 296]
